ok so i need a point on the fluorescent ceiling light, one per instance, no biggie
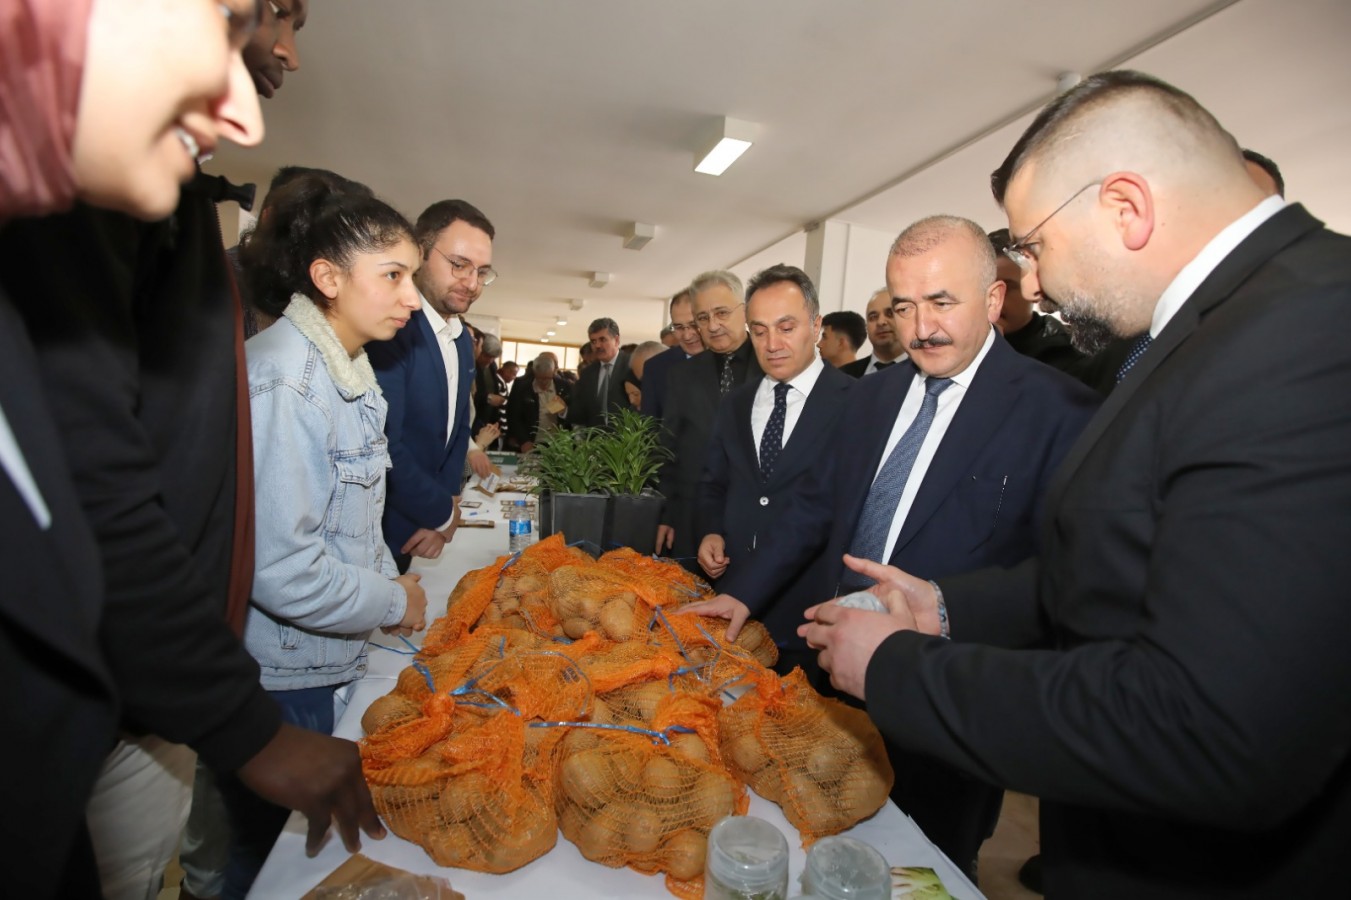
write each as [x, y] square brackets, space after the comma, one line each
[544, 340]
[723, 144]
[550, 333]
[561, 321]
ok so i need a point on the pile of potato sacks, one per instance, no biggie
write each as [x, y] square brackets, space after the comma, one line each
[562, 692]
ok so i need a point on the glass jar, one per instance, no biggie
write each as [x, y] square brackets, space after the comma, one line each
[841, 868]
[747, 860]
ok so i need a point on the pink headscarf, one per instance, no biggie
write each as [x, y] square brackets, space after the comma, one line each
[42, 51]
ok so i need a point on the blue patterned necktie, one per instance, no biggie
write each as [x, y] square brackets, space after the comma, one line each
[1137, 350]
[870, 537]
[771, 442]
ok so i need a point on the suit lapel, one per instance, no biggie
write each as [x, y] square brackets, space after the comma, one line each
[826, 395]
[993, 394]
[1272, 236]
[741, 415]
[893, 386]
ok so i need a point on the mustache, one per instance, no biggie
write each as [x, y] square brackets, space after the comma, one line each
[928, 343]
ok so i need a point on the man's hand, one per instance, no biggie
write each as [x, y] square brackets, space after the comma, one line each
[321, 777]
[665, 538]
[487, 434]
[449, 531]
[497, 400]
[479, 463]
[415, 612]
[847, 638]
[711, 555]
[723, 606]
[916, 593]
[527, 446]
[425, 543]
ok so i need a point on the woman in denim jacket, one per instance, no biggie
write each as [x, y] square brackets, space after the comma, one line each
[323, 578]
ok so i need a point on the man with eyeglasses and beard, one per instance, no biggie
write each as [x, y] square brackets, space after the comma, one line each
[426, 373]
[695, 391]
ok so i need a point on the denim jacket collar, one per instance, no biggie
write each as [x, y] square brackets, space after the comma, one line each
[352, 376]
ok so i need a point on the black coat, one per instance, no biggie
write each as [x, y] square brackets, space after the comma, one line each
[1189, 729]
[692, 402]
[656, 377]
[134, 328]
[56, 691]
[586, 408]
[523, 410]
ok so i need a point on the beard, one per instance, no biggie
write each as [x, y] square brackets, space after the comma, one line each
[1090, 332]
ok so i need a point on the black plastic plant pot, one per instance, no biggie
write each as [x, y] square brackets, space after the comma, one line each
[634, 520]
[580, 517]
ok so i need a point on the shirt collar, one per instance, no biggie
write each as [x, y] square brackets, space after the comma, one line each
[968, 375]
[439, 324]
[1211, 255]
[805, 380]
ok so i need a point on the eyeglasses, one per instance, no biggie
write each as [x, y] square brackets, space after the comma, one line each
[721, 315]
[1020, 251]
[683, 328]
[463, 269]
[240, 26]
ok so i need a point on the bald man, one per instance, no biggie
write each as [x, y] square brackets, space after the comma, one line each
[1170, 675]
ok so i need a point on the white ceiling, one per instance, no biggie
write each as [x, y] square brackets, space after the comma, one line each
[566, 121]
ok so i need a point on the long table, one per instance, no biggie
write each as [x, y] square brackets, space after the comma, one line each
[563, 873]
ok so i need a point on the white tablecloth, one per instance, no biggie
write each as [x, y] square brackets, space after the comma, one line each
[563, 873]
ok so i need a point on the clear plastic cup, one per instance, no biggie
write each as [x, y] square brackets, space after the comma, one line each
[747, 860]
[841, 868]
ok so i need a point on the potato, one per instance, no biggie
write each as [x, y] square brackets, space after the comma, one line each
[769, 784]
[860, 795]
[683, 854]
[387, 712]
[530, 584]
[690, 746]
[826, 763]
[662, 777]
[616, 620]
[585, 779]
[809, 808]
[716, 795]
[745, 754]
[508, 604]
[449, 846]
[577, 627]
[598, 840]
[589, 608]
[462, 797]
[643, 831]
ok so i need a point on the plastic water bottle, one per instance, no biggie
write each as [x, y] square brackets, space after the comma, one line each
[518, 526]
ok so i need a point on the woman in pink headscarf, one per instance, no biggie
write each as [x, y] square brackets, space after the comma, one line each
[110, 102]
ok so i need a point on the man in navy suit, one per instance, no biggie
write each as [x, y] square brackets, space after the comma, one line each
[768, 435]
[426, 373]
[947, 459]
[688, 345]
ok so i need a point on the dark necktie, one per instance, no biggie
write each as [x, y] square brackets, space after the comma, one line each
[879, 366]
[604, 392]
[771, 442]
[1137, 350]
[870, 537]
[725, 377]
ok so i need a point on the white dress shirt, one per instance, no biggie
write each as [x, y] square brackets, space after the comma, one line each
[948, 402]
[798, 390]
[872, 364]
[1212, 254]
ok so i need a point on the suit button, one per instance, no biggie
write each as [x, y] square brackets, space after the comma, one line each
[764, 501]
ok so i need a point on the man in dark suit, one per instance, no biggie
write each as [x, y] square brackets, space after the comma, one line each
[769, 433]
[540, 389]
[600, 387]
[882, 335]
[426, 373]
[692, 403]
[1168, 675]
[947, 459]
[688, 346]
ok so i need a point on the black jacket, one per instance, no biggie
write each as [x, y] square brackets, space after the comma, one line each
[134, 328]
[523, 410]
[586, 407]
[1189, 728]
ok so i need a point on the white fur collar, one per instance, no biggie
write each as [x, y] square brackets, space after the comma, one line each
[353, 376]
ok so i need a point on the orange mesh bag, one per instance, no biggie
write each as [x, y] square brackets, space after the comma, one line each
[668, 583]
[823, 762]
[469, 780]
[466, 605]
[648, 800]
[702, 640]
